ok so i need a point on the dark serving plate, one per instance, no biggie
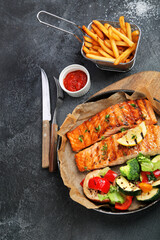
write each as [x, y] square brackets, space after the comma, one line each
[111, 210]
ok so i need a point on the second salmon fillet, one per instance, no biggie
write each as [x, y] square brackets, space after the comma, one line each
[109, 153]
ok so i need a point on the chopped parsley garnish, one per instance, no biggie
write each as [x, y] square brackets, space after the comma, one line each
[133, 105]
[107, 118]
[85, 167]
[121, 107]
[134, 136]
[104, 149]
[123, 129]
[81, 138]
[143, 116]
[86, 130]
[102, 137]
[97, 129]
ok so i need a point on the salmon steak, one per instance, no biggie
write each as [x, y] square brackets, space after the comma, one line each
[109, 152]
[110, 121]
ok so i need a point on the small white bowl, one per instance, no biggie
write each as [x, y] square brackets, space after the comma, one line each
[71, 68]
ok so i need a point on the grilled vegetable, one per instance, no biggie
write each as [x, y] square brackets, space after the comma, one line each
[93, 194]
[145, 187]
[153, 195]
[156, 173]
[100, 184]
[156, 162]
[115, 196]
[143, 177]
[147, 164]
[156, 183]
[99, 189]
[125, 205]
[110, 176]
[131, 170]
[127, 187]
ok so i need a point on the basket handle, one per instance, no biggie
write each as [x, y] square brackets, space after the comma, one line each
[50, 25]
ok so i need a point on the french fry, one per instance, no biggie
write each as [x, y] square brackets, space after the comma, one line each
[113, 44]
[95, 53]
[121, 43]
[122, 36]
[87, 44]
[135, 33]
[135, 39]
[99, 58]
[108, 43]
[92, 30]
[118, 29]
[106, 49]
[125, 54]
[107, 25]
[89, 33]
[101, 27]
[98, 32]
[85, 49]
[88, 39]
[122, 23]
[135, 36]
[95, 47]
[110, 32]
[128, 31]
[114, 48]
[120, 51]
[103, 53]
[128, 57]
[127, 60]
[121, 30]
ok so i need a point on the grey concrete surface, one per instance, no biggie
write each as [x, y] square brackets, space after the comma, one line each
[35, 204]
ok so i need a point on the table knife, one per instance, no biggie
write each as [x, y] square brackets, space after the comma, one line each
[46, 111]
[54, 129]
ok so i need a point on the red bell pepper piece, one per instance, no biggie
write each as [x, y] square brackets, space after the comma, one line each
[125, 205]
[81, 183]
[98, 183]
[110, 176]
[156, 173]
[144, 176]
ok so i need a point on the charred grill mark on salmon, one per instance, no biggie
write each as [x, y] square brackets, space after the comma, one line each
[110, 121]
[117, 154]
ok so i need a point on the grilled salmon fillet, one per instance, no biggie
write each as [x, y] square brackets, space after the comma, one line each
[110, 121]
[109, 153]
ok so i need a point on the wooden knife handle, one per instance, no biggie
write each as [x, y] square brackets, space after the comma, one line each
[53, 148]
[45, 143]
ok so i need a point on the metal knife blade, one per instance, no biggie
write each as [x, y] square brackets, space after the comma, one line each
[46, 109]
[54, 129]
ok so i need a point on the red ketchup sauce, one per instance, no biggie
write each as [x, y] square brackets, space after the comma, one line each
[74, 81]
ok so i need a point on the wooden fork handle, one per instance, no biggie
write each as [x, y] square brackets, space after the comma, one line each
[53, 148]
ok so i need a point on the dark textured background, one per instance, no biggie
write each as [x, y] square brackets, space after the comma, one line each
[35, 204]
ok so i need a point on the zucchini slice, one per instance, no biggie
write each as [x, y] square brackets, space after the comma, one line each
[156, 183]
[156, 159]
[153, 195]
[127, 187]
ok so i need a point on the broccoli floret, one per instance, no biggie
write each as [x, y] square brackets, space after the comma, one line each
[131, 170]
